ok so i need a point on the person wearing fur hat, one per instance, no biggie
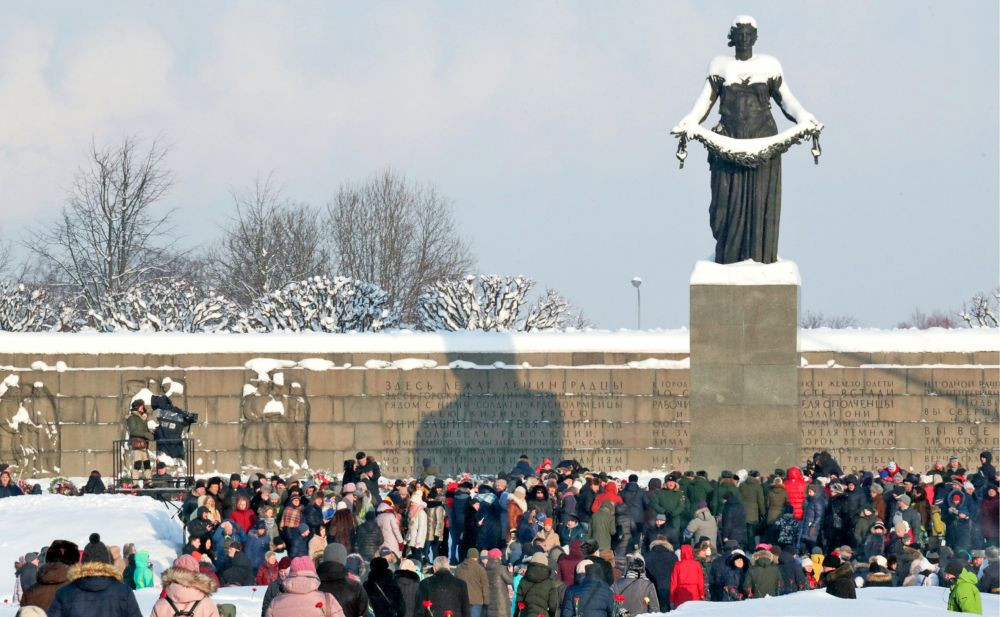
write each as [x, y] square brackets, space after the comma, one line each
[95, 589]
[764, 577]
[878, 573]
[302, 595]
[52, 575]
[186, 589]
[838, 577]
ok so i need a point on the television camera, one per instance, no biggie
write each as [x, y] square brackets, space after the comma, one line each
[172, 422]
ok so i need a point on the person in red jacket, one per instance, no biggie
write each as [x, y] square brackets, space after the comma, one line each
[267, 573]
[687, 581]
[243, 515]
[795, 486]
[610, 494]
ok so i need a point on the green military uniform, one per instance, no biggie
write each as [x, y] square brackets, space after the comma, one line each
[139, 438]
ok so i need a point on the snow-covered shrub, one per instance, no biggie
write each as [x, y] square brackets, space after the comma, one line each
[322, 304]
[24, 309]
[167, 305]
[491, 303]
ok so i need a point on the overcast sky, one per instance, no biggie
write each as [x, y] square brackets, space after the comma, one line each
[547, 125]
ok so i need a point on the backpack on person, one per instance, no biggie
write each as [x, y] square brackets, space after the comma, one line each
[179, 612]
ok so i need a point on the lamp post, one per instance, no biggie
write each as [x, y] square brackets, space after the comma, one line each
[636, 282]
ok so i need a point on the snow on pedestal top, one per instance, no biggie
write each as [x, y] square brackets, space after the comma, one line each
[746, 273]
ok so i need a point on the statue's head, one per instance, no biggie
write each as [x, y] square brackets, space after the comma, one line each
[743, 32]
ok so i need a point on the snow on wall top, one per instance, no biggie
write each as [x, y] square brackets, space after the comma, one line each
[746, 273]
[457, 343]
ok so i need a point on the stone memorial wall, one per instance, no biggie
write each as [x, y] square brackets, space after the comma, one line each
[612, 411]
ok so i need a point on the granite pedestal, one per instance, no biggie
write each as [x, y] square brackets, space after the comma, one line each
[744, 367]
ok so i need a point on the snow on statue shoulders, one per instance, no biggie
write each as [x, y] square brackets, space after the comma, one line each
[758, 69]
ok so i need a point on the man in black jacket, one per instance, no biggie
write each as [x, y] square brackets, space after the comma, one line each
[95, 589]
[369, 472]
[443, 592]
[333, 580]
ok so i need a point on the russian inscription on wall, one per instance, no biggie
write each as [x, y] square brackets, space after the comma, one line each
[610, 418]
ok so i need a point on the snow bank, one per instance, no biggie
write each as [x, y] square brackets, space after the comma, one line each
[746, 273]
[35, 521]
[908, 601]
[455, 344]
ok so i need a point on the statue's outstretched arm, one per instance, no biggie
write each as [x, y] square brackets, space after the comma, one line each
[699, 112]
[791, 107]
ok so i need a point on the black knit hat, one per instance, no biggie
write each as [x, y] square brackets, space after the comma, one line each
[96, 550]
[954, 567]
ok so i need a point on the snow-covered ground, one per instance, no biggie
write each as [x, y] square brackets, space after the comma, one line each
[34, 521]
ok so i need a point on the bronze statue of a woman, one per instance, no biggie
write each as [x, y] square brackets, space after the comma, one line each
[745, 147]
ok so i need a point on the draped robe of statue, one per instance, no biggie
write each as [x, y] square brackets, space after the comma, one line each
[746, 201]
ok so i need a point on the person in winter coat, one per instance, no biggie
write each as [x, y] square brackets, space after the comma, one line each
[186, 589]
[95, 589]
[95, 484]
[388, 524]
[812, 516]
[538, 500]
[225, 535]
[639, 592]
[257, 545]
[538, 594]
[500, 579]
[408, 582]
[838, 578]
[989, 516]
[237, 571]
[734, 574]
[297, 541]
[776, 499]
[786, 528]
[687, 582]
[724, 491]
[143, 576]
[7, 486]
[702, 525]
[763, 577]
[333, 578]
[243, 515]
[878, 573]
[610, 493]
[566, 566]
[660, 562]
[442, 592]
[383, 593]
[589, 596]
[734, 522]
[486, 518]
[472, 572]
[368, 537]
[267, 572]
[302, 594]
[53, 574]
[793, 578]
[602, 525]
[416, 531]
[964, 595]
[28, 574]
[795, 488]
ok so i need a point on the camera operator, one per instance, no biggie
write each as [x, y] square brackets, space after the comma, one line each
[139, 438]
[173, 422]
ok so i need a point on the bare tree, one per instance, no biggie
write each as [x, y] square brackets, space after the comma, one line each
[104, 240]
[982, 309]
[397, 234]
[922, 321]
[269, 243]
[816, 319]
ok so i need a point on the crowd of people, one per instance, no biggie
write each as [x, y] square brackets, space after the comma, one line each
[551, 540]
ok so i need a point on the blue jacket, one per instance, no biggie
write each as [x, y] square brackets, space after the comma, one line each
[255, 548]
[595, 598]
[94, 590]
[219, 540]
